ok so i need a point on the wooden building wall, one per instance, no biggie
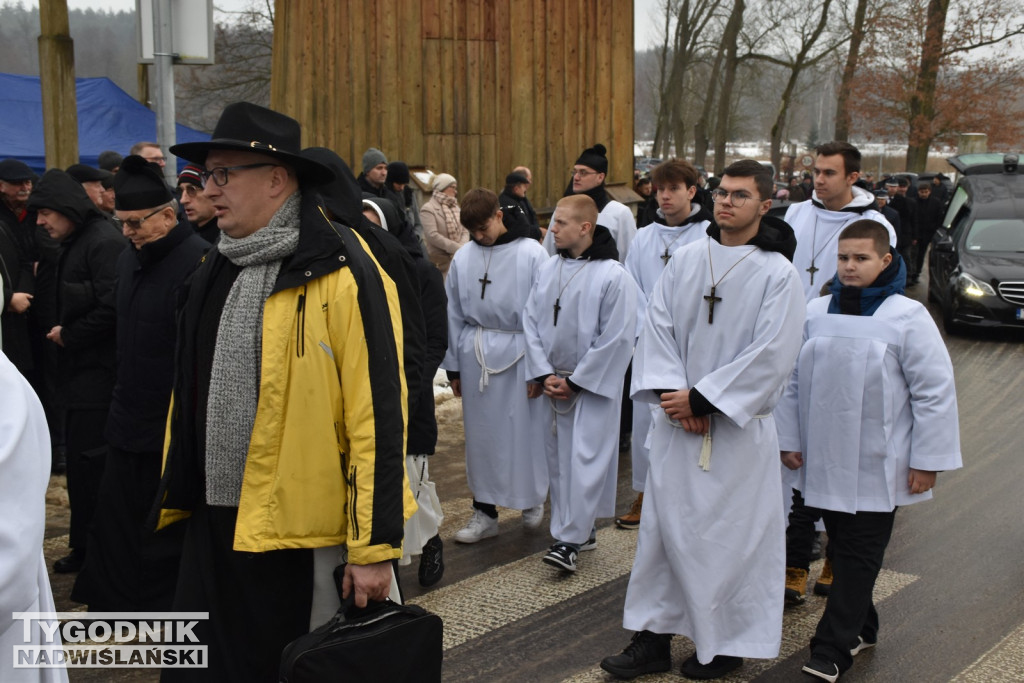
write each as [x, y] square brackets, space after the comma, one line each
[470, 87]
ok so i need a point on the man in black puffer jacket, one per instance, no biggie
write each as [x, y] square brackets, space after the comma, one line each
[130, 568]
[83, 331]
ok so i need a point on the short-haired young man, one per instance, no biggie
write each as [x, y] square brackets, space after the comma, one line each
[580, 324]
[722, 331]
[488, 284]
[868, 419]
[588, 176]
[680, 220]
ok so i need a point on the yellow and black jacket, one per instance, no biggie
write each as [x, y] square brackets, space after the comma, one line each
[326, 461]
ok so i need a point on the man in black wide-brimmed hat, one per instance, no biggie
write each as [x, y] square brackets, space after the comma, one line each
[286, 429]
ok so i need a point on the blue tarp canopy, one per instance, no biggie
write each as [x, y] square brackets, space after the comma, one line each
[108, 118]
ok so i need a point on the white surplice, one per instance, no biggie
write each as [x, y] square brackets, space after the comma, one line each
[887, 382]
[24, 476]
[620, 222]
[591, 345]
[817, 236]
[710, 561]
[505, 462]
[646, 261]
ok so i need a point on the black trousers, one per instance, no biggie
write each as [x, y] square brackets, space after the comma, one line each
[857, 548]
[86, 457]
[130, 566]
[258, 602]
[800, 533]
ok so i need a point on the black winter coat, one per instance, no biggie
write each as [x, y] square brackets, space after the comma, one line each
[85, 310]
[149, 282]
[434, 304]
[81, 297]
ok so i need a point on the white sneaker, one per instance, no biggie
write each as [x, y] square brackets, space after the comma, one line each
[533, 516]
[479, 527]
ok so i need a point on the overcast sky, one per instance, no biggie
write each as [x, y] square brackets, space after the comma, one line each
[644, 33]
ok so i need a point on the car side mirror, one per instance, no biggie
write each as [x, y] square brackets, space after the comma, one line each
[942, 242]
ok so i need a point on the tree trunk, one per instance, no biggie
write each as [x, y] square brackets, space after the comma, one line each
[729, 38]
[661, 125]
[849, 70]
[922, 104]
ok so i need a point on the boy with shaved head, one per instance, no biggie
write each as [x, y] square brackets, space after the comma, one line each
[580, 323]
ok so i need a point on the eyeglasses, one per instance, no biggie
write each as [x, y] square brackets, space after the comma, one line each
[135, 223]
[581, 172]
[190, 189]
[155, 160]
[739, 197]
[220, 174]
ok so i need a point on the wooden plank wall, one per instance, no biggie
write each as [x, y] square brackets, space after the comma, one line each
[468, 87]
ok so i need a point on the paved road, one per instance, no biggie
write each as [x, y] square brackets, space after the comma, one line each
[951, 594]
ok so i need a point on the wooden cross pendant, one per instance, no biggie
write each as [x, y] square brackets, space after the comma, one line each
[711, 299]
[812, 270]
[666, 256]
[483, 285]
[556, 308]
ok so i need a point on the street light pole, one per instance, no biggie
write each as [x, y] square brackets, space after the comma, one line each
[163, 67]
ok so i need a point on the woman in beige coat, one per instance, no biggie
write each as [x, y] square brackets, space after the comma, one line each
[442, 230]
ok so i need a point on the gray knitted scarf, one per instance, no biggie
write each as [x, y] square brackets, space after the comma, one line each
[235, 378]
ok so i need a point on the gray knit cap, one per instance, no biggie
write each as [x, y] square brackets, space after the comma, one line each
[372, 157]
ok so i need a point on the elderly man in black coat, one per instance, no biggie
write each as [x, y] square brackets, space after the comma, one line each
[82, 333]
[130, 568]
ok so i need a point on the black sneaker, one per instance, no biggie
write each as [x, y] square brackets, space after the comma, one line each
[716, 668]
[563, 556]
[822, 668]
[432, 562]
[646, 653]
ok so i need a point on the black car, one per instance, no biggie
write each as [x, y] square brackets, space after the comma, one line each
[976, 262]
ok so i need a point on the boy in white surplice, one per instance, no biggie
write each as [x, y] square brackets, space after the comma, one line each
[869, 417]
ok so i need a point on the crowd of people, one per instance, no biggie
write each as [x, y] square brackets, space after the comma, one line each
[237, 375]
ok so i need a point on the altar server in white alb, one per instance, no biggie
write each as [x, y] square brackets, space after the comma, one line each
[869, 418]
[488, 284]
[722, 332]
[580, 325]
[680, 221]
[24, 475]
[835, 203]
[588, 176]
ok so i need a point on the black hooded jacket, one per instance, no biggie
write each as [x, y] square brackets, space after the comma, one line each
[518, 210]
[343, 199]
[83, 297]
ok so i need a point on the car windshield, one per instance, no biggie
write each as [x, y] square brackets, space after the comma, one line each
[996, 234]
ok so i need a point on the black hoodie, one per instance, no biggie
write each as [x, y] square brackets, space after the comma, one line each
[82, 302]
[603, 247]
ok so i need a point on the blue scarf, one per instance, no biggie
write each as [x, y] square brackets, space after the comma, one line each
[866, 300]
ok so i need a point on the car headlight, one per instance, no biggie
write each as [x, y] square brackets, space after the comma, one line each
[973, 287]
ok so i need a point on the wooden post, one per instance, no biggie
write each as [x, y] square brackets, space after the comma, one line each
[142, 78]
[57, 78]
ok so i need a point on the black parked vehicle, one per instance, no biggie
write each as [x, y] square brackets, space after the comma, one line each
[976, 263]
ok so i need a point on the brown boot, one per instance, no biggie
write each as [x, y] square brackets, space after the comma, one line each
[824, 583]
[796, 586]
[631, 520]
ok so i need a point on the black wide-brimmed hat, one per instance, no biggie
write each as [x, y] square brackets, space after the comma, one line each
[248, 127]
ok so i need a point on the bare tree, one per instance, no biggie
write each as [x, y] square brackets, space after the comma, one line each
[936, 83]
[797, 33]
[849, 70]
[730, 39]
[243, 46]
